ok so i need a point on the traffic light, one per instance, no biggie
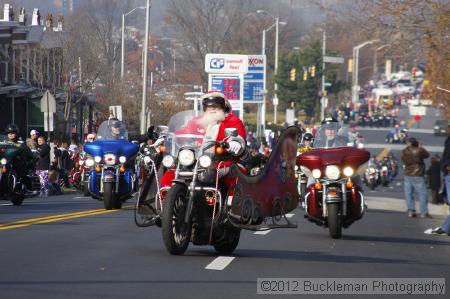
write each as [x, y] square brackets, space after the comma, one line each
[350, 66]
[293, 74]
[305, 75]
[313, 71]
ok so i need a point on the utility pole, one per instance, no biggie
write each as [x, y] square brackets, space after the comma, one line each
[144, 83]
[322, 100]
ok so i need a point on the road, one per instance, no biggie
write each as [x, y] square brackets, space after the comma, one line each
[69, 247]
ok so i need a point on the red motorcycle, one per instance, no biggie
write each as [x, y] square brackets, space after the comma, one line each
[79, 175]
[334, 196]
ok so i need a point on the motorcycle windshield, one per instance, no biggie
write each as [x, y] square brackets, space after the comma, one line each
[331, 135]
[186, 129]
[112, 130]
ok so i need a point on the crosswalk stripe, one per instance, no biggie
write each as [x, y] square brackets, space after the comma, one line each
[220, 263]
[262, 232]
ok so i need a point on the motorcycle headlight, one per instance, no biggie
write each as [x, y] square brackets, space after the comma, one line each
[384, 168]
[3, 161]
[372, 170]
[186, 157]
[348, 171]
[316, 173]
[296, 167]
[168, 161]
[205, 161]
[360, 145]
[98, 159]
[90, 162]
[147, 159]
[332, 172]
[110, 159]
[122, 159]
[81, 162]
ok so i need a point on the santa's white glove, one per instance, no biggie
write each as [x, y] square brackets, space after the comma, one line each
[159, 142]
[234, 147]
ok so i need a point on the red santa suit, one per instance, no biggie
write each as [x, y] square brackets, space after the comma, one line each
[195, 127]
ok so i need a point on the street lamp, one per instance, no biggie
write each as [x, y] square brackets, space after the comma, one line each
[356, 66]
[123, 39]
[275, 98]
[375, 59]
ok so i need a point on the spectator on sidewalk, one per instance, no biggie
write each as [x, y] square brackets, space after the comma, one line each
[413, 157]
[445, 164]
[434, 179]
[32, 141]
[43, 164]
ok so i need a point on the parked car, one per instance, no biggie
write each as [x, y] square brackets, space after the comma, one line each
[440, 127]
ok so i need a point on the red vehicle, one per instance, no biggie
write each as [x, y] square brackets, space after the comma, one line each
[79, 175]
[334, 196]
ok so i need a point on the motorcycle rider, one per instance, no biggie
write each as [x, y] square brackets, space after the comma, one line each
[23, 161]
[90, 137]
[330, 127]
[307, 143]
[115, 126]
[217, 117]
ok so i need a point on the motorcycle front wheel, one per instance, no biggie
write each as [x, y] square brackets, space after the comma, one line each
[176, 232]
[110, 199]
[17, 199]
[230, 241]
[334, 220]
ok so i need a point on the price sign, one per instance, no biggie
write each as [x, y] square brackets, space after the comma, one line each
[230, 87]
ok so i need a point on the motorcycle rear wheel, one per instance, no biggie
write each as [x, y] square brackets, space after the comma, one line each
[176, 232]
[334, 220]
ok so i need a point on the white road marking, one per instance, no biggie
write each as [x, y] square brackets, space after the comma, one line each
[399, 184]
[81, 197]
[220, 263]
[6, 204]
[262, 232]
[289, 215]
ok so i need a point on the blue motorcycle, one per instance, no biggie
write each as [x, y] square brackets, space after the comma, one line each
[112, 177]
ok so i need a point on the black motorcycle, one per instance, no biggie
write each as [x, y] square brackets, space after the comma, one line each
[12, 187]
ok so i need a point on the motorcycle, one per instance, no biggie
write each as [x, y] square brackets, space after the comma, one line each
[11, 188]
[400, 137]
[207, 198]
[384, 175]
[79, 174]
[112, 177]
[372, 177]
[147, 212]
[333, 199]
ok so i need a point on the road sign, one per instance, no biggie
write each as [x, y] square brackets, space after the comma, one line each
[330, 59]
[48, 102]
[226, 64]
[254, 79]
[48, 106]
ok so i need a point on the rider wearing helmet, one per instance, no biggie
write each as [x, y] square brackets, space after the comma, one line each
[329, 133]
[307, 143]
[23, 161]
[115, 125]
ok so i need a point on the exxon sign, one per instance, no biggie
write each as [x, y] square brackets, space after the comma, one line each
[226, 64]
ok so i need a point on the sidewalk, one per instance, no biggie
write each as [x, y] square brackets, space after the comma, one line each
[398, 205]
[413, 130]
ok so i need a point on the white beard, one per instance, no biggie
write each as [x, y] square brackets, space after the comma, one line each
[212, 123]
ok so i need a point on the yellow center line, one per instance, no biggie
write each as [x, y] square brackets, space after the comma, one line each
[55, 218]
[383, 154]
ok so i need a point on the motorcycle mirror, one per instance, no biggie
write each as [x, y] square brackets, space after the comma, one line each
[135, 142]
[231, 132]
[163, 129]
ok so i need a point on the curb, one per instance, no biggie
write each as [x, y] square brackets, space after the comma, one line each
[398, 205]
